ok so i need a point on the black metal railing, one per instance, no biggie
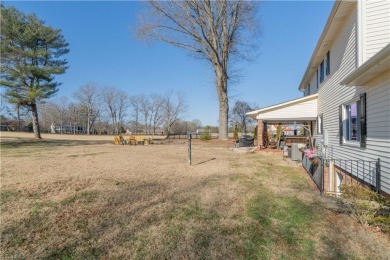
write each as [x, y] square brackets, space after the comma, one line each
[364, 171]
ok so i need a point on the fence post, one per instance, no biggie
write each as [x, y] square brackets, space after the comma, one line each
[189, 137]
[378, 176]
[323, 175]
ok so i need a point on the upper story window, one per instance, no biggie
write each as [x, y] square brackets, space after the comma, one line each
[327, 63]
[322, 74]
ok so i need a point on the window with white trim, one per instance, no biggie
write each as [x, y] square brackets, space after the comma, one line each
[352, 128]
[352, 122]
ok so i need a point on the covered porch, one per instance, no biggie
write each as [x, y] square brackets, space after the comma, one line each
[301, 111]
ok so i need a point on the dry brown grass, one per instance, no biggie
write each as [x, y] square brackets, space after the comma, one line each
[82, 197]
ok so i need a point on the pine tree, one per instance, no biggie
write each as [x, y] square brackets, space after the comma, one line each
[30, 57]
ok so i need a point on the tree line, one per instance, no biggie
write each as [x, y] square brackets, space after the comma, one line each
[108, 110]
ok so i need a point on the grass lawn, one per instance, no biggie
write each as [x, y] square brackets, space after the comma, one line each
[89, 199]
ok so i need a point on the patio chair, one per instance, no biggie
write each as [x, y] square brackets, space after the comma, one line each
[131, 140]
[116, 140]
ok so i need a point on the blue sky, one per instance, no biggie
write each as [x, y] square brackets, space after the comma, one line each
[103, 50]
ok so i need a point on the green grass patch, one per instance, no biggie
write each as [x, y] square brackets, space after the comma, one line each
[8, 195]
[70, 252]
[38, 207]
[283, 224]
[83, 197]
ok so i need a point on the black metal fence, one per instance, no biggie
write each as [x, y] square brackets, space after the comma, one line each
[194, 136]
[363, 171]
[366, 172]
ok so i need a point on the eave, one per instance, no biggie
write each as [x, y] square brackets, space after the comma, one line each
[340, 12]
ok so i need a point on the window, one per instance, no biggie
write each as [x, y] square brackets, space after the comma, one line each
[318, 82]
[322, 72]
[327, 63]
[352, 119]
[352, 122]
[319, 124]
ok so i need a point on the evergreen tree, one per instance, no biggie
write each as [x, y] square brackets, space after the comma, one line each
[30, 57]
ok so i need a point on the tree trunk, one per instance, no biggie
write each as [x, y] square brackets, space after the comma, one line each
[167, 134]
[223, 103]
[34, 112]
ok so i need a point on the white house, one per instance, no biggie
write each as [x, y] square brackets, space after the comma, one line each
[346, 90]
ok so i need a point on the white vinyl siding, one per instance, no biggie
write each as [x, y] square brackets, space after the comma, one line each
[331, 95]
[375, 27]
[313, 84]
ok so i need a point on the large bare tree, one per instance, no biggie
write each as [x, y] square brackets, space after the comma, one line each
[220, 32]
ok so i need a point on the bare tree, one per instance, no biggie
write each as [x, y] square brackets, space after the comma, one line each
[48, 114]
[156, 109]
[89, 99]
[174, 108]
[135, 105]
[61, 105]
[116, 102]
[145, 108]
[73, 116]
[218, 31]
[239, 116]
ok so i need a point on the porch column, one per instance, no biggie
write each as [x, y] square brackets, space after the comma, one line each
[260, 133]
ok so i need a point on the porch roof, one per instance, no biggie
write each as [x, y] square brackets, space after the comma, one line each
[301, 109]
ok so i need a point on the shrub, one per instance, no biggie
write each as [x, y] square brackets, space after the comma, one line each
[205, 136]
[278, 132]
[235, 134]
[366, 206]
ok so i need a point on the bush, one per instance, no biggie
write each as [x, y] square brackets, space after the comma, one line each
[205, 136]
[235, 133]
[367, 207]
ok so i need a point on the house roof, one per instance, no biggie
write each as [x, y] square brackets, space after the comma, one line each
[372, 68]
[300, 109]
[337, 18]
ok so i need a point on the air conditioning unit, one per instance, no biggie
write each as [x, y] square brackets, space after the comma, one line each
[296, 155]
